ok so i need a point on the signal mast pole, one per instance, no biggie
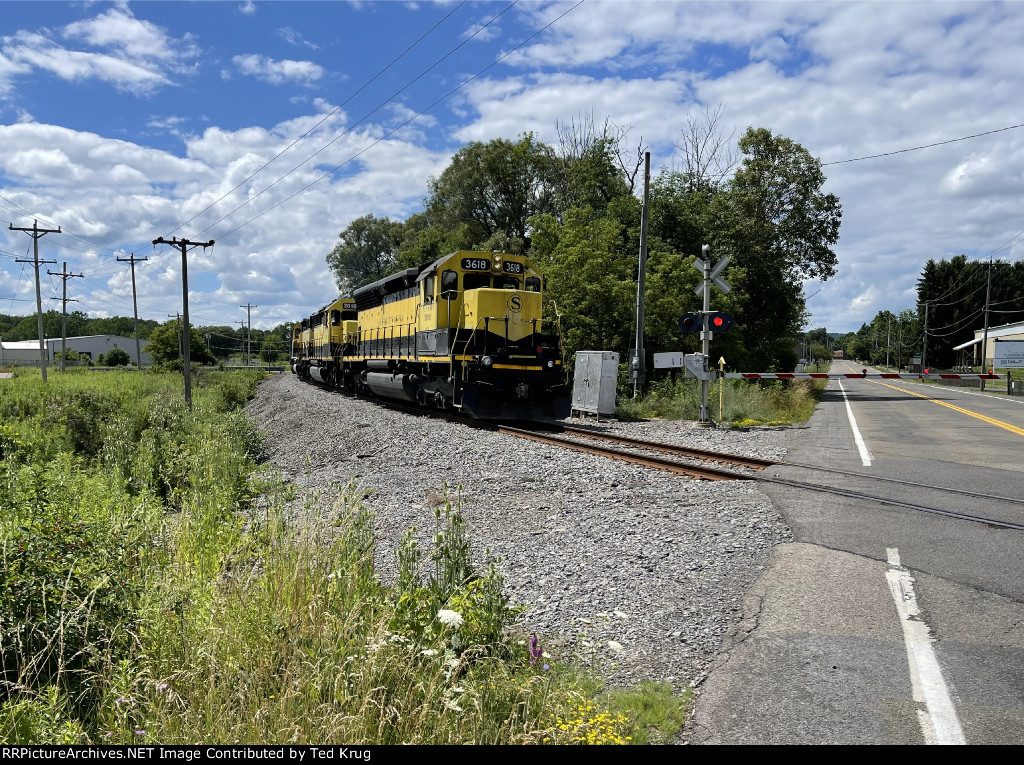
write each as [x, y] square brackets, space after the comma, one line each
[36, 233]
[638, 361]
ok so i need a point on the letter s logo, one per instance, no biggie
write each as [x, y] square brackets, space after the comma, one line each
[515, 304]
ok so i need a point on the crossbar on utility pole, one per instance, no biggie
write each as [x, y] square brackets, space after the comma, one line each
[64, 275]
[183, 245]
[248, 342]
[36, 233]
[135, 306]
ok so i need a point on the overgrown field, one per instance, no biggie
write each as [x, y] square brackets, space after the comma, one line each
[743, 404]
[154, 589]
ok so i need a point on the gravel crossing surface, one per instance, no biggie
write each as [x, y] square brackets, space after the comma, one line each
[638, 572]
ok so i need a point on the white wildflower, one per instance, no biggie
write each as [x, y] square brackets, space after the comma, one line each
[450, 618]
[615, 647]
[428, 652]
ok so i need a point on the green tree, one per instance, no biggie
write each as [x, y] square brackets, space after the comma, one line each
[163, 345]
[270, 348]
[780, 227]
[494, 188]
[366, 252]
[116, 357]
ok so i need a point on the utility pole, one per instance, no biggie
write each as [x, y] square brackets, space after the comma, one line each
[241, 326]
[924, 351]
[888, 338]
[177, 327]
[135, 306]
[64, 275]
[183, 245]
[638, 362]
[984, 334]
[35, 232]
[248, 337]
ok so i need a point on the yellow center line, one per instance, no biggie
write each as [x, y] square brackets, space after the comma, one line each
[969, 413]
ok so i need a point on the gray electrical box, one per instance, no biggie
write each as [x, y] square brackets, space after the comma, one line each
[594, 382]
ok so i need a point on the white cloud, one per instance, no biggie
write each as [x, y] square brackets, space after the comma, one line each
[277, 72]
[295, 37]
[481, 33]
[39, 52]
[247, 8]
[134, 56]
[119, 30]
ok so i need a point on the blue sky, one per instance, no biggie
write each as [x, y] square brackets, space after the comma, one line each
[124, 122]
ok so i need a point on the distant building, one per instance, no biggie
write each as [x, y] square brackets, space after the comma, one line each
[972, 348]
[26, 352]
[837, 355]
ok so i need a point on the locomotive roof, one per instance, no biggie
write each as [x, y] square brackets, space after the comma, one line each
[389, 284]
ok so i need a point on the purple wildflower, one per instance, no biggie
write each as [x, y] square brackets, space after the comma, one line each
[120, 699]
[535, 650]
[108, 734]
[546, 667]
[161, 688]
[140, 732]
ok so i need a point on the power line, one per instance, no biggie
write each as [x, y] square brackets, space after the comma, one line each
[366, 116]
[326, 117]
[925, 146]
[395, 130]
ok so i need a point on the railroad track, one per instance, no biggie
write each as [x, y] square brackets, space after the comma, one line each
[564, 436]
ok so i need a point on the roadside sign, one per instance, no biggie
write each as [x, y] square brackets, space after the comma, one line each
[1009, 354]
[671, 360]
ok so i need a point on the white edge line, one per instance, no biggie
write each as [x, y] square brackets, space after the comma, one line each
[865, 456]
[940, 725]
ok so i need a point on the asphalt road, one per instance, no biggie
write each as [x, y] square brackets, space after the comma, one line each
[822, 656]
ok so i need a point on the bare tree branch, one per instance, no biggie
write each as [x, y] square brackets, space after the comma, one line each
[707, 153]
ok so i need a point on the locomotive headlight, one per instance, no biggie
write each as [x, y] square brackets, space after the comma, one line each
[486, 361]
[551, 364]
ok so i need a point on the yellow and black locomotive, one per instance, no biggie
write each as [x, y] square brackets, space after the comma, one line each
[464, 332]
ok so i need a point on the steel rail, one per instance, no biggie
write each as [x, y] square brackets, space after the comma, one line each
[671, 466]
[758, 463]
[885, 500]
[718, 474]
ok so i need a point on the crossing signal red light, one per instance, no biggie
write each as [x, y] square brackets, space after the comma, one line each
[720, 322]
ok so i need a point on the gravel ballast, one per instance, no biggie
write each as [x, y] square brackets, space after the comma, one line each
[639, 572]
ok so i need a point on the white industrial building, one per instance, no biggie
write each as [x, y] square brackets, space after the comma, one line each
[26, 352]
[971, 348]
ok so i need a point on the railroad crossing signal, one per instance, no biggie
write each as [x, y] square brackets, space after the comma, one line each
[718, 321]
[714, 276]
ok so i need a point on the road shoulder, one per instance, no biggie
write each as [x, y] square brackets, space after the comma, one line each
[817, 658]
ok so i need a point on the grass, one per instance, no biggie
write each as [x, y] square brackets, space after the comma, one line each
[156, 586]
[744, 404]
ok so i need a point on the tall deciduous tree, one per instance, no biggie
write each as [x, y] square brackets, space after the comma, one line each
[781, 229]
[365, 253]
[493, 188]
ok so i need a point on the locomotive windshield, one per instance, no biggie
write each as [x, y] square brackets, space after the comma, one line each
[476, 281]
[506, 283]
